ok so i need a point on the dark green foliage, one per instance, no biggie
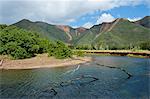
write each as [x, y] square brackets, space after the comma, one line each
[21, 44]
[59, 50]
[43, 45]
[83, 47]
[18, 43]
[79, 53]
[3, 26]
[145, 45]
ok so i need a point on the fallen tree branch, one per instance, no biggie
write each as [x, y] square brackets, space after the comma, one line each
[78, 78]
[51, 90]
[125, 71]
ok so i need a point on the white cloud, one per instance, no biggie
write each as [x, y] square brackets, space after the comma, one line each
[56, 11]
[134, 19]
[105, 18]
[88, 25]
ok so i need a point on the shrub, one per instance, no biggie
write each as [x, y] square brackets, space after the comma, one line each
[59, 50]
[145, 45]
[20, 43]
[20, 53]
[78, 53]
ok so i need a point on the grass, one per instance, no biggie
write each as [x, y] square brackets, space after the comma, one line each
[92, 52]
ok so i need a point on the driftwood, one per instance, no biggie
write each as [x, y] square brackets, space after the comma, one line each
[1, 62]
[51, 90]
[125, 71]
[78, 78]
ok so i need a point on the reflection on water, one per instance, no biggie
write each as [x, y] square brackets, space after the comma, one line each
[88, 81]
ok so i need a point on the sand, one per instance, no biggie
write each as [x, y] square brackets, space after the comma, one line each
[42, 61]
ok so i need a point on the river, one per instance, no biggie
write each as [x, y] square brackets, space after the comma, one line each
[94, 80]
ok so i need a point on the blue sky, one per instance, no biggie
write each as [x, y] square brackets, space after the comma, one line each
[132, 13]
[75, 13]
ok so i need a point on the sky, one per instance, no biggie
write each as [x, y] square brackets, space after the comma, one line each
[76, 13]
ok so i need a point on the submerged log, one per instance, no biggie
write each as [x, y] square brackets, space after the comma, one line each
[52, 90]
[78, 78]
[125, 71]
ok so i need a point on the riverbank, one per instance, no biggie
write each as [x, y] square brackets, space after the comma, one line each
[130, 53]
[42, 61]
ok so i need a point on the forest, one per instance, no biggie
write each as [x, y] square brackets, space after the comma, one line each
[19, 44]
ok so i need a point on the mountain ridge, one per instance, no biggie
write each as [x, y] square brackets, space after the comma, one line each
[106, 32]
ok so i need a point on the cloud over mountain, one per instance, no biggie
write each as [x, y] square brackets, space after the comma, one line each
[57, 11]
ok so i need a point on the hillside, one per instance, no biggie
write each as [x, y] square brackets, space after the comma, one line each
[120, 33]
[144, 22]
[44, 29]
[56, 32]
[74, 33]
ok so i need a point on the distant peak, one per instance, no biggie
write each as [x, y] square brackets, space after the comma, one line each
[121, 19]
[147, 17]
[25, 20]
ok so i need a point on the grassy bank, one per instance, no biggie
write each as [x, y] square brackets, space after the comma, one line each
[130, 53]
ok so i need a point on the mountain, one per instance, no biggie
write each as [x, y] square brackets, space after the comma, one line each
[73, 33]
[118, 34]
[144, 22]
[55, 32]
[44, 29]
[122, 34]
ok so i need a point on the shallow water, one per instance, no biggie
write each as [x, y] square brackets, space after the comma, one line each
[86, 81]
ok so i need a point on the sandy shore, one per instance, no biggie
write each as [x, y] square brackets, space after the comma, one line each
[42, 61]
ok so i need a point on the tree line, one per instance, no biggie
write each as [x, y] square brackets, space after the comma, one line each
[19, 44]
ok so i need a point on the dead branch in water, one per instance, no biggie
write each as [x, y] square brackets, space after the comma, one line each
[125, 71]
[78, 78]
[51, 90]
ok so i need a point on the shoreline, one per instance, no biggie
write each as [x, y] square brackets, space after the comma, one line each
[42, 61]
[130, 53]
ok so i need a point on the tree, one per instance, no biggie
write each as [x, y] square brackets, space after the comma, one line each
[59, 50]
[145, 45]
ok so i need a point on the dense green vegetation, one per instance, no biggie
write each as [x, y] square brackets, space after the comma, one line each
[145, 45]
[59, 50]
[79, 53]
[20, 44]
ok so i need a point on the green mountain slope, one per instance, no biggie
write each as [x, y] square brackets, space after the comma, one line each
[122, 34]
[63, 33]
[44, 29]
[118, 34]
